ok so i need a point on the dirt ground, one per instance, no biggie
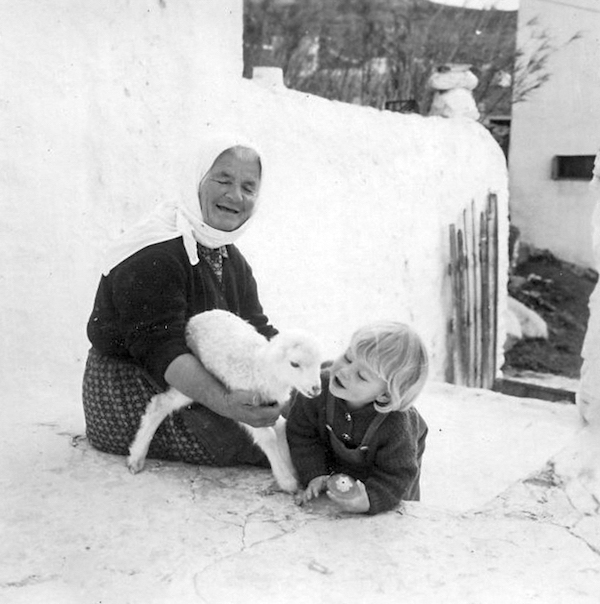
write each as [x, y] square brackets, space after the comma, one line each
[559, 293]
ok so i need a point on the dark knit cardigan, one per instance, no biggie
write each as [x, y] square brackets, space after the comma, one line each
[392, 466]
[142, 306]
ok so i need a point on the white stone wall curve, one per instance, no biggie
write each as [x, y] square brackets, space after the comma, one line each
[100, 114]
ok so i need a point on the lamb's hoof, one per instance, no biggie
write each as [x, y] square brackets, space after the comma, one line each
[288, 485]
[135, 465]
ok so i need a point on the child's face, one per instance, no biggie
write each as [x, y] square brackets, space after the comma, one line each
[352, 381]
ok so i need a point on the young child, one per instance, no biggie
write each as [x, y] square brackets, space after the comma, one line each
[364, 423]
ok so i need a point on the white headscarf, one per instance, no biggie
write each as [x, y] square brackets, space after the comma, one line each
[183, 218]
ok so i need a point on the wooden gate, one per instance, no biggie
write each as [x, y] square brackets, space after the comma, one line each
[473, 270]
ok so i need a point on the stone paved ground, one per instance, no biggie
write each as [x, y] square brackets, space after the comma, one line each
[509, 514]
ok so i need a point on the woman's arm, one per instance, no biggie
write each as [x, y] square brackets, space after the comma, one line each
[189, 376]
[249, 306]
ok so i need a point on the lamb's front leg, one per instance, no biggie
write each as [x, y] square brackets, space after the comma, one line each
[160, 406]
[268, 440]
[282, 444]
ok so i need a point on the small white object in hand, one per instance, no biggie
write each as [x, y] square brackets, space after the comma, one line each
[343, 483]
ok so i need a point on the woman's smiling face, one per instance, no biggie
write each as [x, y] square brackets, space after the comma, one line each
[352, 381]
[229, 191]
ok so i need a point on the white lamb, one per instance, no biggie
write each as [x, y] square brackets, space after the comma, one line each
[242, 359]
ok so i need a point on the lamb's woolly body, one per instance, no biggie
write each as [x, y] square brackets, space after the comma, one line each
[242, 359]
[234, 352]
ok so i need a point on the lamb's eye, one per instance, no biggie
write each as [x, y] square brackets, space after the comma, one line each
[294, 364]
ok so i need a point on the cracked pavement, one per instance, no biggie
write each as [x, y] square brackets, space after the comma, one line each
[511, 493]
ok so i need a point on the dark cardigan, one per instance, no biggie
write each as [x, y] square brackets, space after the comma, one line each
[142, 306]
[392, 465]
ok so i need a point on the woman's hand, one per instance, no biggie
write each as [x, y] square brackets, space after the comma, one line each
[241, 406]
[189, 376]
[359, 504]
[315, 487]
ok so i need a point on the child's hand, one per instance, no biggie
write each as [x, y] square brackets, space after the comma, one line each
[359, 504]
[315, 487]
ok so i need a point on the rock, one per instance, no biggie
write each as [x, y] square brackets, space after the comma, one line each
[532, 325]
[514, 333]
[453, 85]
[451, 76]
[457, 102]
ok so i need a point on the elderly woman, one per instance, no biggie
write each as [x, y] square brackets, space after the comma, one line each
[178, 262]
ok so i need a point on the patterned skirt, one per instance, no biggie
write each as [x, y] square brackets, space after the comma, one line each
[115, 395]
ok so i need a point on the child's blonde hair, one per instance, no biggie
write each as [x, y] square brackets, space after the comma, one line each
[396, 354]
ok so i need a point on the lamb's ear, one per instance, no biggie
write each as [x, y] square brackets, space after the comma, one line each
[290, 347]
[283, 346]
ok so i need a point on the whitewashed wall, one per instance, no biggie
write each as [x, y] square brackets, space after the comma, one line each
[95, 106]
[561, 118]
[588, 396]
[101, 111]
[359, 219]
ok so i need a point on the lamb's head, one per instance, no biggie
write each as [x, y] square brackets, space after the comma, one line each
[296, 358]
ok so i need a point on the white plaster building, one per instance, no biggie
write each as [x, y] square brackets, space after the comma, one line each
[562, 118]
[101, 107]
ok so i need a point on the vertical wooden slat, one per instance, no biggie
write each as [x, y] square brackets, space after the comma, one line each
[493, 236]
[485, 310]
[456, 324]
[463, 334]
[450, 326]
[476, 298]
[469, 283]
[474, 254]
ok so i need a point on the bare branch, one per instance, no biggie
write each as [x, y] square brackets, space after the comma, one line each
[368, 51]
